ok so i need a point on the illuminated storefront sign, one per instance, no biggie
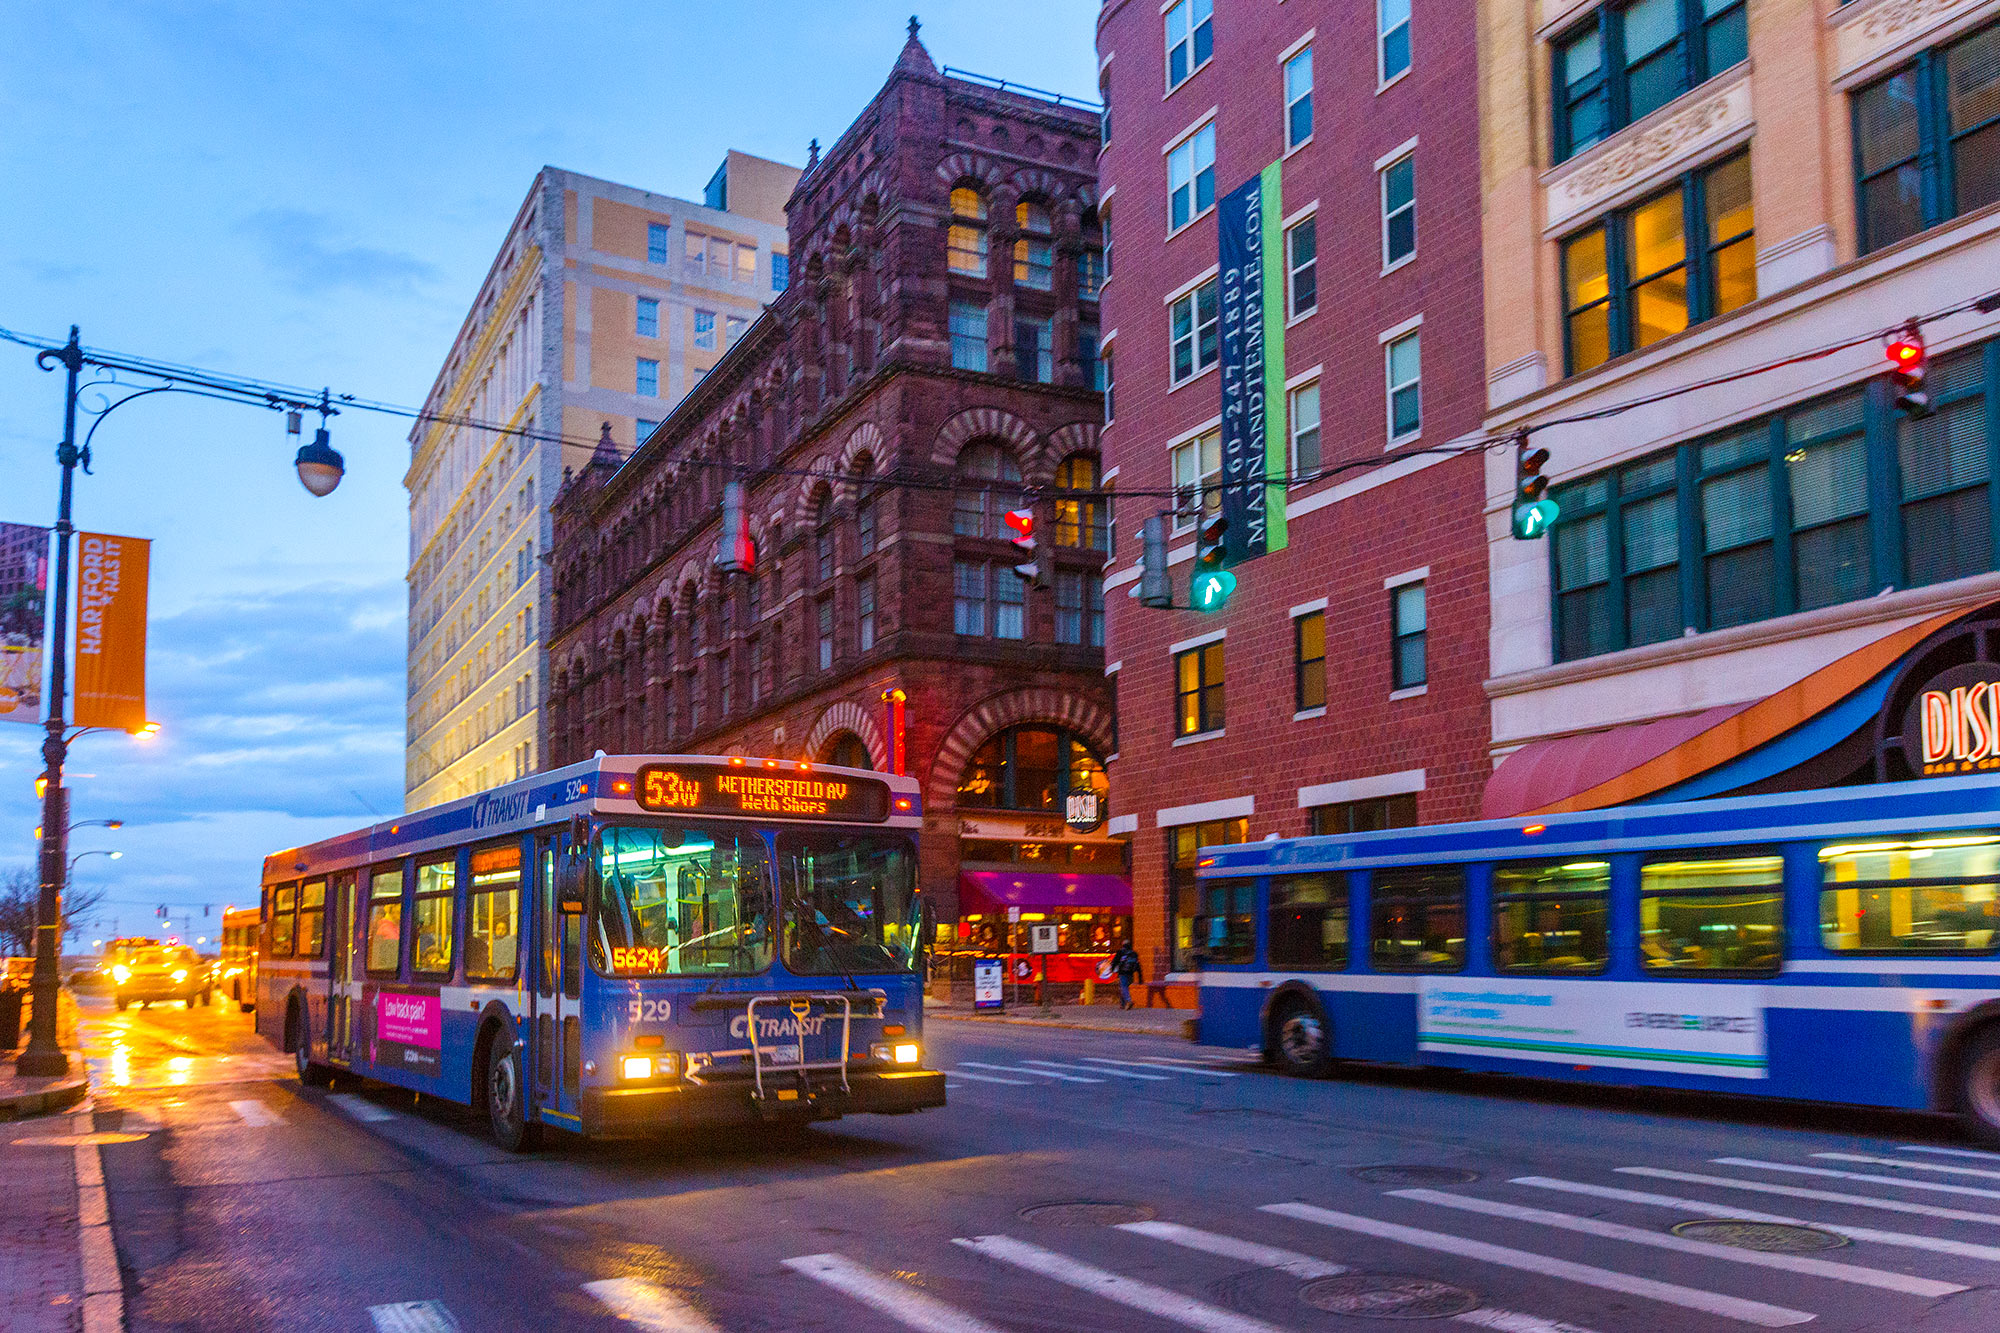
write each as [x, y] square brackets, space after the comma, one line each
[1953, 724]
[726, 789]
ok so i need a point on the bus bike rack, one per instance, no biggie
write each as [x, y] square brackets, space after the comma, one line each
[800, 1005]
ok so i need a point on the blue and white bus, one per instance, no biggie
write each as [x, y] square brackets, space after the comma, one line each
[1839, 945]
[622, 945]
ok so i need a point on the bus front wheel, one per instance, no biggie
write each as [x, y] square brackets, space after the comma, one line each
[1979, 1086]
[507, 1103]
[1301, 1043]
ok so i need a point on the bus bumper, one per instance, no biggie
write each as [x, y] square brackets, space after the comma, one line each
[618, 1112]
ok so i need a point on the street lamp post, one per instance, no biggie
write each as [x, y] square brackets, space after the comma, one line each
[320, 470]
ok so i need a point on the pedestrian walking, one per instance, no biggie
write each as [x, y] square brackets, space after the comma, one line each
[1125, 963]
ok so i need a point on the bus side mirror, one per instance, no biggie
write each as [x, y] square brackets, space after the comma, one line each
[569, 884]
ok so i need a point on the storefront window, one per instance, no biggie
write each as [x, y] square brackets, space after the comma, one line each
[1182, 890]
[1030, 768]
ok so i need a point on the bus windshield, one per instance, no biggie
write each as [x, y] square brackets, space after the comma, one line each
[850, 901]
[680, 900]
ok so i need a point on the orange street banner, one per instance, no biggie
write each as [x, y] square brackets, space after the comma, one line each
[111, 631]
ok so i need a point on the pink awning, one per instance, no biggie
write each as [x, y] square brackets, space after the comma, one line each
[1541, 773]
[1042, 890]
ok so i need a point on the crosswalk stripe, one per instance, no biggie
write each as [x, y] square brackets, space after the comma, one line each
[1950, 1152]
[988, 1078]
[256, 1113]
[1161, 1063]
[413, 1317]
[360, 1108]
[1171, 1305]
[1903, 1164]
[1095, 1069]
[1306, 1266]
[652, 1308]
[1229, 1247]
[1827, 1172]
[1017, 1069]
[901, 1302]
[1591, 1226]
[1824, 1196]
[1965, 1249]
[1589, 1275]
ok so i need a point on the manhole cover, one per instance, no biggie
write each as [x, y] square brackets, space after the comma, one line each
[1387, 1296]
[1768, 1237]
[1086, 1214]
[76, 1140]
[1414, 1175]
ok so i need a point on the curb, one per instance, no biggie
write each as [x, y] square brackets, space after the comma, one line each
[56, 1097]
[1185, 1034]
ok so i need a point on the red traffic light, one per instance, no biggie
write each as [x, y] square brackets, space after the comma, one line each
[1023, 523]
[1905, 351]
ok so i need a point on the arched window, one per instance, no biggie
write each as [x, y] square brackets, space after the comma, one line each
[1034, 251]
[1031, 768]
[965, 243]
[846, 750]
[989, 484]
[1081, 520]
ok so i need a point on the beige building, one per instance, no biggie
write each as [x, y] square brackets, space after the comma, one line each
[605, 305]
[1678, 192]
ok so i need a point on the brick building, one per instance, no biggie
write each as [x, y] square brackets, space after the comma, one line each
[934, 360]
[1340, 687]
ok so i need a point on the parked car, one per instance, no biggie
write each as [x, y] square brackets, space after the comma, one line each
[162, 972]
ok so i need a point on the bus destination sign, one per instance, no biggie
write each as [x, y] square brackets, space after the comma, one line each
[729, 789]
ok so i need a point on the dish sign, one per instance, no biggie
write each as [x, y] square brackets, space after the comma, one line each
[1953, 725]
[729, 789]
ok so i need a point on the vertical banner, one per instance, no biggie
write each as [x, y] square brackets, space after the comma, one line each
[111, 631]
[24, 599]
[1251, 312]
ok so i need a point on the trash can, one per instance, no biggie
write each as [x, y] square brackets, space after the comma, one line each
[10, 1018]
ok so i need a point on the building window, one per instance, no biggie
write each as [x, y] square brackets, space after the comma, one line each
[1363, 816]
[968, 335]
[823, 549]
[647, 378]
[1190, 39]
[695, 253]
[704, 329]
[727, 678]
[1197, 479]
[1302, 266]
[1404, 358]
[864, 526]
[1191, 177]
[989, 484]
[1106, 374]
[1089, 273]
[824, 617]
[1195, 347]
[1184, 845]
[648, 321]
[1627, 61]
[746, 263]
[1309, 661]
[968, 606]
[644, 428]
[1927, 140]
[733, 327]
[1080, 513]
[1034, 349]
[864, 611]
[965, 241]
[756, 671]
[1087, 358]
[1034, 249]
[781, 272]
[1409, 622]
[1392, 25]
[986, 595]
[1399, 211]
[656, 242]
[1198, 690]
[1031, 768]
[1634, 279]
[1305, 432]
[1299, 98]
[1079, 608]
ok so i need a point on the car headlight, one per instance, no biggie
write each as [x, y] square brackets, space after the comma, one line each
[180, 974]
[121, 974]
[636, 1067]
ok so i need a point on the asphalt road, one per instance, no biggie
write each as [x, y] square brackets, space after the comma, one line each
[1219, 1197]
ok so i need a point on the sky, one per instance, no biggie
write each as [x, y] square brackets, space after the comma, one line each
[311, 195]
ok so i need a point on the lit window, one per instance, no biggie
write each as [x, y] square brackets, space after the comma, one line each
[1080, 513]
[965, 241]
[746, 263]
[1034, 251]
[1191, 177]
[1309, 661]
[1198, 690]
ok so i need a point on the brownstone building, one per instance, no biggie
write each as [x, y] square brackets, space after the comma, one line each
[932, 366]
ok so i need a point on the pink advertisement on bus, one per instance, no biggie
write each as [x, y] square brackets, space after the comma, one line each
[408, 1030]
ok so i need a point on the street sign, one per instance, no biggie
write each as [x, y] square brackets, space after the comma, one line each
[987, 983]
[1013, 916]
[1041, 939]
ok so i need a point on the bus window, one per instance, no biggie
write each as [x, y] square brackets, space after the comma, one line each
[1931, 895]
[1417, 919]
[312, 918]
[1307, 922]
[431, 920]
[850, 901]
[545, 916]
[682, 900]
[284, 920]
[1724, 912]
[1225, 929]
[385, 921]
[1550, 916]
[493, 914]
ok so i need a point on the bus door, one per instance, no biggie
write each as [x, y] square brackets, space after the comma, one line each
[340, 975]
[558, 990]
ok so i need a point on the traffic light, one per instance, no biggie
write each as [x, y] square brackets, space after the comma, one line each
[1154, 588]
[1533, 510]
[1211, 586]
[736, 552]
[1907, 360]
[1021, 522]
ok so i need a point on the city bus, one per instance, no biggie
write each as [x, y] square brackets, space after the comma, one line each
[1838, 946]
[623, 945]
[236, 966]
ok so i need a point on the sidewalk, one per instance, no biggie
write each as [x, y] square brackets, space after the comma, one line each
[1085, 1017]
[24, 1097]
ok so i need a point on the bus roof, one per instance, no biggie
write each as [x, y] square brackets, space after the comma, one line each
[1930, 804]
[601, 785]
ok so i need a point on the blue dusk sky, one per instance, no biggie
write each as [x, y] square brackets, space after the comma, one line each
[311, 194]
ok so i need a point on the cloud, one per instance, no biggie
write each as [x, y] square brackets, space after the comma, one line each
[302, 247]
[42, 270]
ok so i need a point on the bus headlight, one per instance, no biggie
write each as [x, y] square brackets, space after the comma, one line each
[637, 1067]
[906, 1053]
[121, 974]
[180, 974]
[901, 1053]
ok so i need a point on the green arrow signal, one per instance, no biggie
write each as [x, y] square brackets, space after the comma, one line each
[1210, 589]
[1533, 520]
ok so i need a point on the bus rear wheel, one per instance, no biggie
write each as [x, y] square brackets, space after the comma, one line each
[311, 1073]
[1979, 1087]
[507, 1103]
[1300, 1042]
